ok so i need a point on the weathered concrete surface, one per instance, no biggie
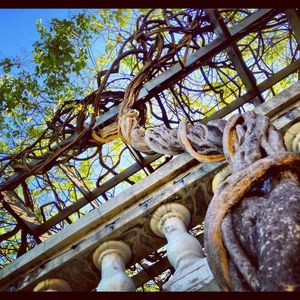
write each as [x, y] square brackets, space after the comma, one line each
[68, 254]
[131, 225]
[196, 277]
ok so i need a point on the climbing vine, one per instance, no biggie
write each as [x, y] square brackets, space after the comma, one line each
[99, 60]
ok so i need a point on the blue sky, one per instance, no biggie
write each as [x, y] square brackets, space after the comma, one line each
[18, 31]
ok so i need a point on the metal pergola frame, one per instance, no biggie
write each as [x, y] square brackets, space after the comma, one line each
[227, 39]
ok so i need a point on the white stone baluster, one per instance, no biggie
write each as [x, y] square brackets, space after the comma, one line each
[53, 285]
[184, 251]
[111, 258]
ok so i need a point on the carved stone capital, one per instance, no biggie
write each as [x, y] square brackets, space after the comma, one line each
[53, 285]
[111, 247]
[111, 258]
[165, 212]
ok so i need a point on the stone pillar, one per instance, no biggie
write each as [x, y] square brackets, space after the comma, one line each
[111, 258]
[53, 285]
[184, 251]
[292, 138]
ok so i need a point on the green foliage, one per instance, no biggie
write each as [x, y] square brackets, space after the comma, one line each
[61, 68]
[62, 50]
[16, 90]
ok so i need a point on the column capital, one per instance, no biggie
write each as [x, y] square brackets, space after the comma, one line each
[111, 258]
[111, 247]
[167, 211]
[53, 285]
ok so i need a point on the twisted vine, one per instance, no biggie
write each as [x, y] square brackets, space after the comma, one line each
[244, 238]
[260, 166]
[157, 44]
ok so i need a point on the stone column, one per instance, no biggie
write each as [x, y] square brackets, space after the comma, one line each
[292, 138]
[53, 285]
[111, 258]
[184, 251]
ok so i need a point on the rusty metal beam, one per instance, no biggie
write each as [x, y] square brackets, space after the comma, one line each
[294, 20]
[25, 217]
[194, 60]
[161, 82]
[151, 88]
[263, 86]
[140, 160]
[136, 167]
[60, 216]
[235, 56]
